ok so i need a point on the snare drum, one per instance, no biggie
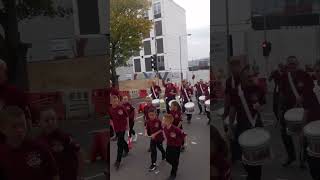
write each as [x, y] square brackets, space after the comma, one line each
[156, 103]
[202, 99]
[294, 120]
[255, 146]
[189, 107]
[207, 104]
[312, 132]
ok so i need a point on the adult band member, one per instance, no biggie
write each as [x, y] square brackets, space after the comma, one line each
[276, 78]
[201, 89]
[291, 87]
[155, 93]
[186, 95]
[247, 106]
[311, 105]
[170, 93]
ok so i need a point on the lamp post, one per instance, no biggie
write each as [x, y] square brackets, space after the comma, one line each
[181, 73]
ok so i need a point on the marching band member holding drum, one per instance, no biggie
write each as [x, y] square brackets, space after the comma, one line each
[145, 112]
[132, 114]
[155, 93]
[177, 116]
[170, 93]
[291, 87]
[201, 89]
[186, 95]
[311, 105]
[247, 106]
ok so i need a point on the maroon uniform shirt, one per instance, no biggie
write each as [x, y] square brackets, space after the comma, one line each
[130, 110]
[64, 151]
[146, 111]
[119, 117]
[299, 79]
[30, 161]
[185, 96]
[175, 136]
[155, 92]
[310, 101]
[198, 87]
[170, 88]
[177, 115]
[154, 126]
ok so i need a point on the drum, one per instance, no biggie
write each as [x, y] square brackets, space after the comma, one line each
[156, 103]
[207, 104]
[189, 107]
[312, 132]
[202, 99]
[255, 146]
[294, 120]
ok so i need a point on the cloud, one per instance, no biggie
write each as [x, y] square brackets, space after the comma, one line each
[199, 42]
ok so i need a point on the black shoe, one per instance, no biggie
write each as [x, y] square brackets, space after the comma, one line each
[152, 167]
[149, 150]
[163, 157]
[117, 165]
[288, 162]
[182, 149]
[125, 154]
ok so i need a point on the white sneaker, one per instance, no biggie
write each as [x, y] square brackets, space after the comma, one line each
[135, 138]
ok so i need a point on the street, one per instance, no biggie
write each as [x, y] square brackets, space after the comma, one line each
[272, 170]
[194, 162]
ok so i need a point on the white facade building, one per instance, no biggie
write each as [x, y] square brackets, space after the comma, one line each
[169, 28]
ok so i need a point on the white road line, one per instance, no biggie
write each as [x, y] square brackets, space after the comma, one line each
[95, 176]
[139, 117]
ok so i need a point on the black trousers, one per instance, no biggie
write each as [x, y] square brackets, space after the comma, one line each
[131, 130]
[154, 145]
[286, 138]
[254, 172]
[111, 131]
[122, 145]
[208, 116]
[199, 104]
[189, 116]
[314, 166]
[276, 104]
[172, 156]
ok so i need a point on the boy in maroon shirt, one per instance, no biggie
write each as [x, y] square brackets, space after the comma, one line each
[170, 93]
[131, 112]
[175, 138]
[64, 149]
[154, 128]
[120, 121]
[145, 112]
[21, 158]
[201, 89]
[177, 114]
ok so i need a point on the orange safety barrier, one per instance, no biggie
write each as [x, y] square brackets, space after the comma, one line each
[101, 145]
[143, 93]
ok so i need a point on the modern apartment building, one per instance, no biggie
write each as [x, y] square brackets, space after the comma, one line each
[167, 39]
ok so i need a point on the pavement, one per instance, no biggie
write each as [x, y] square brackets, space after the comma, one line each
[273, 169]
[194, 162]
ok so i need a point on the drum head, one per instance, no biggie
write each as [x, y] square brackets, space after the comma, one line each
[189, 105]
[207, 102]
[254, 137]
[312, 129]
[294, 115]
[156, 101]
[202, 98]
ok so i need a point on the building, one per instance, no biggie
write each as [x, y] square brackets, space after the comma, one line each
[199, 64]
[292, 27]
[69, 52]
[164, 39]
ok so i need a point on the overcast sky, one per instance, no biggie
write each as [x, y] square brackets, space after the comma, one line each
[198, 24]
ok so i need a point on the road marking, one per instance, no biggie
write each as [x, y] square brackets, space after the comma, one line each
[192, 142]
[139, 117]
[95, 176]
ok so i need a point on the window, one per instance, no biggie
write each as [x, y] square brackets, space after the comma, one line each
[146, 15]
[158, 27]
[161, 65]
[137, 65]
[147, 48]
[160, 45]
[88, 13]
[148, 64]
[157, 10]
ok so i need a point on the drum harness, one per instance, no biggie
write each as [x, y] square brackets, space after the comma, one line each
[246, 107]
[155, 95]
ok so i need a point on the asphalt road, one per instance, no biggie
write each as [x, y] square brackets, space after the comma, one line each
[271, 170]
[194, 162]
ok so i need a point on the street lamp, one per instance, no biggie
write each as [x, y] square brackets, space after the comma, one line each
[180, 37]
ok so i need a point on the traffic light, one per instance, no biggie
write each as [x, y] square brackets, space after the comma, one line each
[154, 62]
[266, 47]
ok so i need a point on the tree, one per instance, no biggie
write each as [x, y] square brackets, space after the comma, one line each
[128, 26]
[12, 50]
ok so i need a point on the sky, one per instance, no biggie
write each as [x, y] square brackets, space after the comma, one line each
[198, 24]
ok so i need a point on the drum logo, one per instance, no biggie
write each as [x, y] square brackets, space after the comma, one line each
[33, 159]
[173, 135]
[120, 112]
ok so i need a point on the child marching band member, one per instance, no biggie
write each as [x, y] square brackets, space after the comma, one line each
[177, 116]
[120, 121]
[155, 92]
[311, 105]
[170, 93]
[154, 129]
[174, 138]
[207, 95]
[200, 91]
[146, 117]
[64, 149]
[21, 158]
[247, 106]
[186, 95]
[132, 114]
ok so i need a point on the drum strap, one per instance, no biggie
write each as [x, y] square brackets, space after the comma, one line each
[185, 92]
[201, 89]
[155, 95]
[246, 107]
[316, 90]
[293, 88]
